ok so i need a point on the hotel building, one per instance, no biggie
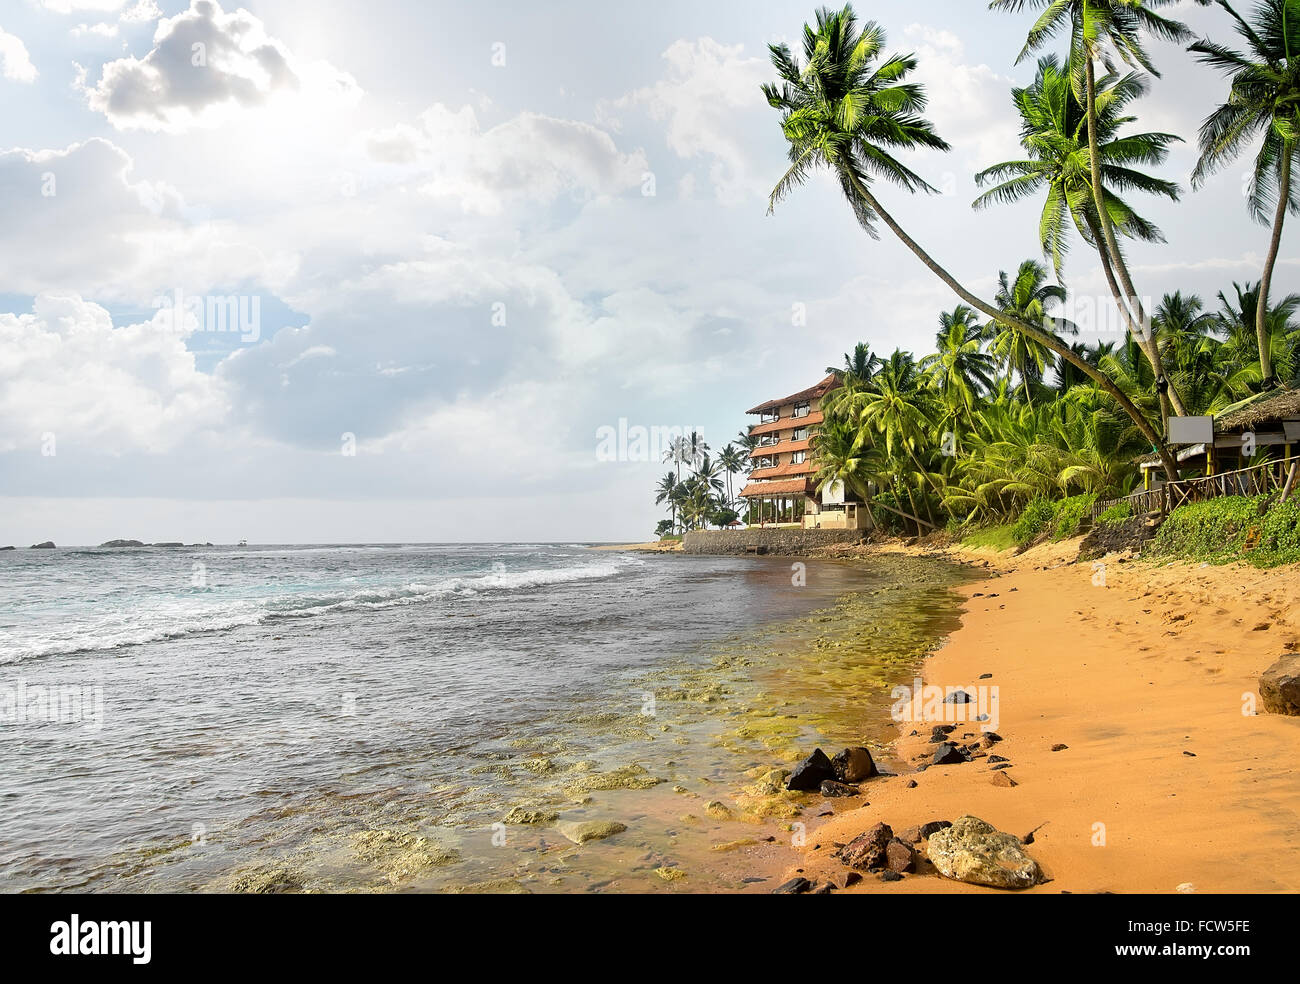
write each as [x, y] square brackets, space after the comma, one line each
[781, 490]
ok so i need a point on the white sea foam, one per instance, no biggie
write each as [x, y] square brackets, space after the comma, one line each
[168, 617]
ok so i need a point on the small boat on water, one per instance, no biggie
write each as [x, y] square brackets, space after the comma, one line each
[243, 543]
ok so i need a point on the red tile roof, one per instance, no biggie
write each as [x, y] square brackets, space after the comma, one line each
[821, 389]
[757, 490]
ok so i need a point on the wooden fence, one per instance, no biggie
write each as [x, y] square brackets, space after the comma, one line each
[1271, 476]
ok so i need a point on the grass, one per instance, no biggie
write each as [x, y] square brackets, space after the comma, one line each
[995, 537]
[1070, 515]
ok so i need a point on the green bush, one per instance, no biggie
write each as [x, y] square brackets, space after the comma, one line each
[1033, 522]
[1279, 539]
[1071, 514]
[1116, 514]
[1213, 530]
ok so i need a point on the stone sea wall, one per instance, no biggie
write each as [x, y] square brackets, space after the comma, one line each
[789, 543]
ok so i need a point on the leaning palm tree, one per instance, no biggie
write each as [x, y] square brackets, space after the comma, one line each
[1099, 30]
[846, 110]
[1053, 130]
[1263, 98]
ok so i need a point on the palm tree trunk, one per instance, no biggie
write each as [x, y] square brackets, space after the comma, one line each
[1043, 338]
[1109, 270]
[1261, 306]
[1136, 315]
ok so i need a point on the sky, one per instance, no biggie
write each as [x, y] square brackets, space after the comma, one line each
[396, 271]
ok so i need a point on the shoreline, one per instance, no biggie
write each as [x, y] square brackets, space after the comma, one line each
[1164, 785]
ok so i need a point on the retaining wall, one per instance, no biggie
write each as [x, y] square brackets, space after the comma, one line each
[788, 543]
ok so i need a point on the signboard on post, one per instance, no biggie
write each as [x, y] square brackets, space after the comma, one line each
[1191, 430]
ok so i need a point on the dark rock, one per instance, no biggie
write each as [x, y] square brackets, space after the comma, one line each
[960, 697]
[852, 878]
[991, 738]
[831, 788]
[934, 826]
[795, 886]
[47, 545]
[950, 754]
[998, 758]
[867, 851]
[825, 889]
[809, 774]
[912, 835]
[121, 543]
[854, 764]
[899, 856]
[890, 876]
[1000, 765]
[6, 548]
[1279, 686]
[911, 784]
[1058, 747]
[1190, 754]
[986, 676]
[168, 544]
[943, 729]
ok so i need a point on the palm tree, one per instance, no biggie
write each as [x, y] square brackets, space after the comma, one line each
[960, 369]
[845, 110]
[734, 460]
[1263, 97]
[1026, 298]
[696, 449]
[666, 491]
[1098, 30]
[1238, 319]
[1053, 129]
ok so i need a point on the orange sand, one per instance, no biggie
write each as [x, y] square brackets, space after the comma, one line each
[1130, 676]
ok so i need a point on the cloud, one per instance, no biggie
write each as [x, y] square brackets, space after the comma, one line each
[969, 104]
[531, 156]
[15, 63]
[100, 30]
[67, 371]
[703, 100]
[205, 67]
[76, 220]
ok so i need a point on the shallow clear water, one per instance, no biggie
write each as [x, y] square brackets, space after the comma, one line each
[363, 717]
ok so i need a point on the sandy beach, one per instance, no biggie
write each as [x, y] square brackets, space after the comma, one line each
[1164, 785]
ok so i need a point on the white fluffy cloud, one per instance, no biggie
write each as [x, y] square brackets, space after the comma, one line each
[531, 156]
[708, 100]
[66, 370]
[15, 63]
[206, 66]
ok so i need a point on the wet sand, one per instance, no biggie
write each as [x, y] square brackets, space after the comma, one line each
[1165, 786]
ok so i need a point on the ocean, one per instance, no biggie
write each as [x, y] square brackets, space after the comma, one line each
[369, 717]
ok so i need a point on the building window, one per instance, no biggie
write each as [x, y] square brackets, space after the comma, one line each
[802, 409]
[769, 417]
[800, 434]
[767, 440]
[799, 457]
